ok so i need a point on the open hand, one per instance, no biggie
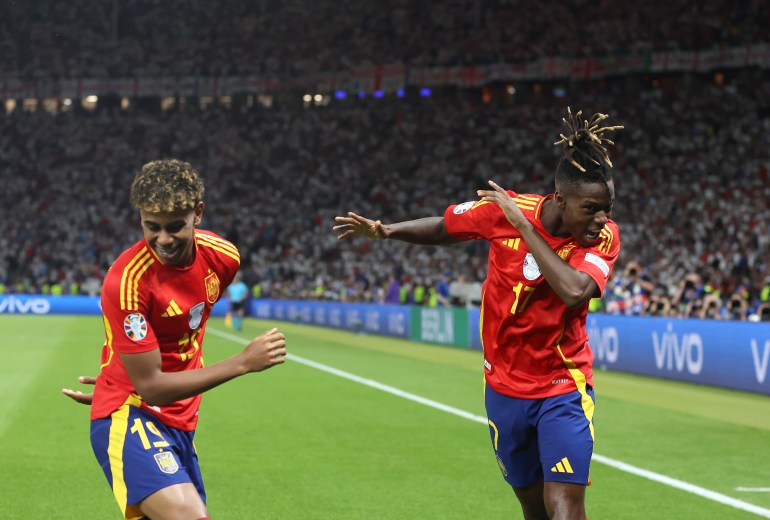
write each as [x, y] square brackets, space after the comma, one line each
[357, 225]
[500, 197]
[77, 395]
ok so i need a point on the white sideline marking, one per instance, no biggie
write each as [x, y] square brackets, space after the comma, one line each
[622, 466]
[758, 490]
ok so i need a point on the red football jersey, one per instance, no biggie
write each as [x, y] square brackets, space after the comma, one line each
[148, 305]
[534, 346]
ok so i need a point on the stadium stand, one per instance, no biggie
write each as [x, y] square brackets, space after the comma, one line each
[691, 168]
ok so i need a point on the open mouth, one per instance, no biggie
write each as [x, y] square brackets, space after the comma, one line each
[166, 253]
[592, 235]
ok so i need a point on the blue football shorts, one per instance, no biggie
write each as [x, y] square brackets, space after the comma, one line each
[140, 455]
[549, 439]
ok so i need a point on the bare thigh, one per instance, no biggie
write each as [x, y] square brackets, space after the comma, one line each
[177, 502]
[531, 500]
[565, 501]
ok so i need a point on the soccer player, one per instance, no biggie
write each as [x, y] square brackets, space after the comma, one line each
[155, 300]
[548, 256]
[237, 293]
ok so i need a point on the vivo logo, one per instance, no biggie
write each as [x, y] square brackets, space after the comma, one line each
[397, 324]
[372, 321]
[14, 305]
[678, 353]
[760, 365]
[604, 343]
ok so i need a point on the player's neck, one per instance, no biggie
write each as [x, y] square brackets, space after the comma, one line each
[550, 218]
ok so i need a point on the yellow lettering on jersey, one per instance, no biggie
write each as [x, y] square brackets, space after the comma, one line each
[517, 289]
[187, 340]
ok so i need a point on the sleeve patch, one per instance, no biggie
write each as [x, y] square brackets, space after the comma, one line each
[135, 326]
[462, 208]
[598, 262]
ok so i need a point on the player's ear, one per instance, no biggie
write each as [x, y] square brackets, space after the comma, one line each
[198, 214]
[558, 196]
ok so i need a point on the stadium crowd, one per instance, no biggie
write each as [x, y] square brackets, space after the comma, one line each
[131, 38]
[691, 170]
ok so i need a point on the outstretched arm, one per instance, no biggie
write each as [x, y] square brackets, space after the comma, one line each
[572, 286]
[425, 231]
[159, 388]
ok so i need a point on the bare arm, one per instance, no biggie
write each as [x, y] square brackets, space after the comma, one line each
[159, 388]
[572, 286]
[425, 231]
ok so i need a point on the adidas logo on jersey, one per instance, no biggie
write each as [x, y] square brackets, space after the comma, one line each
[172, 310]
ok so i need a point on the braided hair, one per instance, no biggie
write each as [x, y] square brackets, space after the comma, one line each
[585, 156]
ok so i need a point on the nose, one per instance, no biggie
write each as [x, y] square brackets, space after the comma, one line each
[601, 218]
[164, 238]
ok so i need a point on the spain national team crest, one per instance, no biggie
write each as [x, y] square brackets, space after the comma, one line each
[135, 326]
[565, 251]
[531, 269]
[196, 315]
[212, 288]
[166, 462]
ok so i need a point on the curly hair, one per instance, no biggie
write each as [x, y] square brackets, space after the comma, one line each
[585, 156]
[166, 185]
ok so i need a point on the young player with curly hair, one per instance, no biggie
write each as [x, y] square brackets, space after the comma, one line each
[548, 256]
[155, 300]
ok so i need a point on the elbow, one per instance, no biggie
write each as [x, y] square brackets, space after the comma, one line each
[151, 395]
[574, 299]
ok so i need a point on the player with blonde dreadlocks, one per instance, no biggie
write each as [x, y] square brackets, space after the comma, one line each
[548, 256]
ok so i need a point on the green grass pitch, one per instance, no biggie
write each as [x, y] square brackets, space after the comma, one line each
[298, 442]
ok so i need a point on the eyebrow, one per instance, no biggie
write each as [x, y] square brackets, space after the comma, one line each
[169, 224]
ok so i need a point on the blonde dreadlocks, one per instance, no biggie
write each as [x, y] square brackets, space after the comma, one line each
[585, 148]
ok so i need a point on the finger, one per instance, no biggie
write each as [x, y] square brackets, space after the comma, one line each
[87, 380]
[496, 187]
[345, 234]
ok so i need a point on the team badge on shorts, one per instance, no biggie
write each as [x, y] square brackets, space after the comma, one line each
[166, 462]
[135, 326]
[462, 208]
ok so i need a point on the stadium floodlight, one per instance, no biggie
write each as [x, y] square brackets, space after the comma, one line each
[425, 91]
[400, 92]
[307, 98]
[379, 94]
[92, 98]
[340, 94]
[362, 94]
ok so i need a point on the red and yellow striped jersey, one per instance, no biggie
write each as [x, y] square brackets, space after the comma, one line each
[147, 305]
[534, 345]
